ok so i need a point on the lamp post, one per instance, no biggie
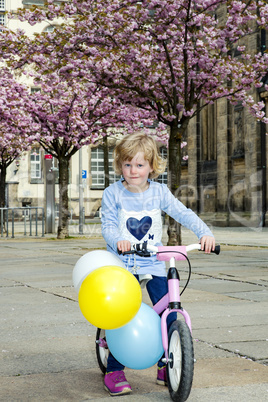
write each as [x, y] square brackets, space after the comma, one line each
[49, 195]
[263, 140]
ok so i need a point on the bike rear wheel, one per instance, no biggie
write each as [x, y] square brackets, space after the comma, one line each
[180, 368]
[101, 352]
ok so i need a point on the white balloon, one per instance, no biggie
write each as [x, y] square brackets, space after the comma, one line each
[91, 261]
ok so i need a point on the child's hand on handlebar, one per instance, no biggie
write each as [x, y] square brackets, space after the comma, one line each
[123, 245]
[207, 243]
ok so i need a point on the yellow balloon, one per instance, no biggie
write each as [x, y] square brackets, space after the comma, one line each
[109, 297]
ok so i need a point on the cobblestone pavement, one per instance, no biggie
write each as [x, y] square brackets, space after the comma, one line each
[48, 348]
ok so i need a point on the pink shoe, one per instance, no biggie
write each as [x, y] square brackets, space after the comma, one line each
[161, 375]
[116, 384]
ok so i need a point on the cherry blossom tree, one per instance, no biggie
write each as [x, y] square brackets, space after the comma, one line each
[16, 125]
[171, 58]
[71, 110]
[72, 114]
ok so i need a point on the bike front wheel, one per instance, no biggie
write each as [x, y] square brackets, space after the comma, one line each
[180, 368]
[101, 351]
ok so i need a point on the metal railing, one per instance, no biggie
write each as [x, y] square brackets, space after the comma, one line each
[5, 220]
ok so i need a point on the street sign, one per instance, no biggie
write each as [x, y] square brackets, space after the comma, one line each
[84, 174]
[48, 156]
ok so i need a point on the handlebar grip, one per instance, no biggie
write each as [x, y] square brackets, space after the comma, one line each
[217, 250]
[125, 252]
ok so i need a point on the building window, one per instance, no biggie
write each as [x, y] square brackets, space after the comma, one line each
[25, 204]
[2, 19]
[97, 168]
[162, 178]
[50, 28]
[33, 2]
[2, 15]
[112, 176]
[209, 131]
[35, 89]
[40, 3]
[35, 163]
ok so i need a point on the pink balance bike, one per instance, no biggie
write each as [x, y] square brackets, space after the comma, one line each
[177, 341]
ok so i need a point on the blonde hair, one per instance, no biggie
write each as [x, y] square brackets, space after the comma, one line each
[130, 145]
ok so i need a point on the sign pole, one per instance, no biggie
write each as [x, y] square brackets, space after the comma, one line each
[80, 193]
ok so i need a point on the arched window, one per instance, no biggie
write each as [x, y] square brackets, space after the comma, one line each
[50, 28]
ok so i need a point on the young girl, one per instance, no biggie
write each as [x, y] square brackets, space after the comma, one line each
[131, 213]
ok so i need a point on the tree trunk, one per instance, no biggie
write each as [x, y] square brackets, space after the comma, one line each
[63, 228]
[174, 174]
[106, 161]
[3, 173]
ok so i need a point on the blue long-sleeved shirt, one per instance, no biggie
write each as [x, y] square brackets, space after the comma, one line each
[137, 217]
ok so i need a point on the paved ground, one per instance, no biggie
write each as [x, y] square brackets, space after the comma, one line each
[48, 349]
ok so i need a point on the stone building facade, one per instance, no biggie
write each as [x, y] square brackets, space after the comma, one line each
[226, 177]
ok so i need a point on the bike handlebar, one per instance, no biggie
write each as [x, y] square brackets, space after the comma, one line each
[146, 250]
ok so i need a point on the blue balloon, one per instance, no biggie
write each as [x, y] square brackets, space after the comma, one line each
[138, 344]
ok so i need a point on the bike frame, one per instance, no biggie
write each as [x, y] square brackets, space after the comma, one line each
[165, 305]
[171, 254]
